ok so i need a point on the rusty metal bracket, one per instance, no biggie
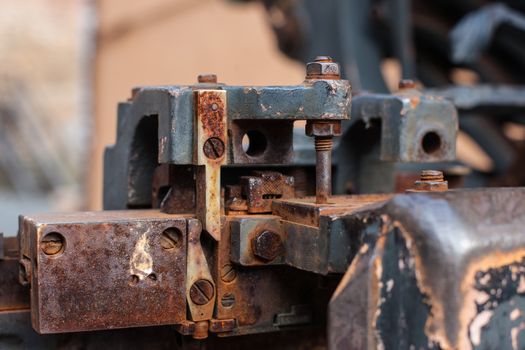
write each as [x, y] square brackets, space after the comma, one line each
[210, 154]
[200, 288]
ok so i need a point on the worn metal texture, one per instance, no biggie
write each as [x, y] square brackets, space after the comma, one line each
[414, 127]
[244, 232]
[157, 126]
[199, 287]
[103, 270]
[13, 295]
[316, 239]
[448, 264]
[263, 187]
[255, 297]
[210, 155]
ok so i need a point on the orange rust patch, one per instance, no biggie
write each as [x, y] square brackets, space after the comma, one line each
[211, 111]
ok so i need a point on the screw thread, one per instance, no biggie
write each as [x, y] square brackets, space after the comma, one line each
[431, 175]
[323, 143]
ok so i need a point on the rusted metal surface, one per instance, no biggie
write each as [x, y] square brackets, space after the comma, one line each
[210, 140]
[434, 262]
[263, 187]
[181, 196]
[305, 211]
[267, 245]
[255, 296]
[13, 296]
[200, 287]
[109, 270]
[249, 248]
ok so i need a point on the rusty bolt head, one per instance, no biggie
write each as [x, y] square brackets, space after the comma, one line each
[213, 148]
[52, 243]
[228, 273]
[323, 67]
[323, 128]
[267, 245]
[207, 79]
[201, 292]
[407, 84]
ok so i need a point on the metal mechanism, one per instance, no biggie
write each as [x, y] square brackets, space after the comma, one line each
[220, 221]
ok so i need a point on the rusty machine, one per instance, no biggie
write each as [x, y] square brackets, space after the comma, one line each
[255, 217]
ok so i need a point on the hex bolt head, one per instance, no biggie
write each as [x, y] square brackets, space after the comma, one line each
[323, 67]
[267, 245]
[52, 243]
[213, 148]
[201, 292]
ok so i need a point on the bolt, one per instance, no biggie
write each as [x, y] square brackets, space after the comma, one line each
[323, 67]
[228, 273]
[323, 168]
[201, 292]
[267, 245]
[323, 131]
[171, 238]
[213, 148]
[430, 180]
[52, 243]
[406, 84]
[207, 78]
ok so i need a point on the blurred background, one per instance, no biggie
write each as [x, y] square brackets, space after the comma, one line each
[65, 64]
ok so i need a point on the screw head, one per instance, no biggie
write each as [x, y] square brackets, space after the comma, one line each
[171, 238]
[201, 292]
[228, 300]
[267, 245]
[213, 148]
[228, 273]
[52, 243]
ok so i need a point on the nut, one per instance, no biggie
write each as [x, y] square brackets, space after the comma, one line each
[267, 245]
[323, 128]
[323, 67]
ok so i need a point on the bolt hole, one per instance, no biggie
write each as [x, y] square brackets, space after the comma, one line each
[152, 277]
[53, 244]
[254, 143]
[431, 142]
[171, 238]
[134, 280]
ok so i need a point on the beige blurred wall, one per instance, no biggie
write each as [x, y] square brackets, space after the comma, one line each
[150, 42]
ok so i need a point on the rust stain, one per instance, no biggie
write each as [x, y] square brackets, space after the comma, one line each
[211, 112]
